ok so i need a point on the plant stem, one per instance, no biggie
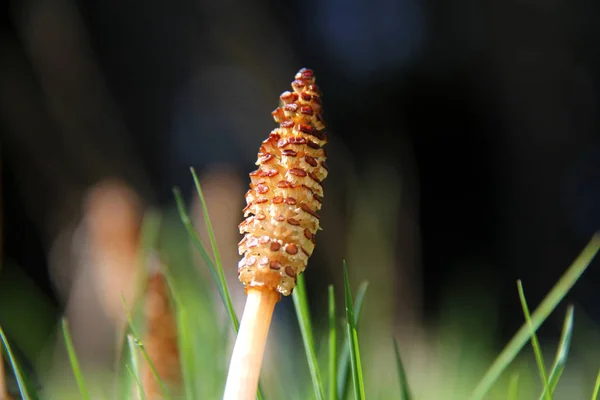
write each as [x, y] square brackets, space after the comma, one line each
[247, 357]
[3, 391]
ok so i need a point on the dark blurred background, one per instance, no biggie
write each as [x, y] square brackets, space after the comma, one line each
[463, 134]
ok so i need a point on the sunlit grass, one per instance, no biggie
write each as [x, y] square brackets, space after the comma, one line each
[205, 344]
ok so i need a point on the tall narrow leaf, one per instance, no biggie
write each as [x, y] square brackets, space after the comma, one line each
[355, 363]
[139, 345]
[404, 390]
[20, 379]
[222, 282]
[215, 269]
[596, 387]
[344, 364]
[223, 289]
[74, 362]
[332, 362]
[513, 387]
[135, 378]
[539, 357]
[303, 313]
[549, 303]
[133, 367]
[562, 352]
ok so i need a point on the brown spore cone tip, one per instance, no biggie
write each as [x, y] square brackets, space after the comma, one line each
[285, 192]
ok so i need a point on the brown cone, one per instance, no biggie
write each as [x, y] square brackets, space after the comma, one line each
[285, 192]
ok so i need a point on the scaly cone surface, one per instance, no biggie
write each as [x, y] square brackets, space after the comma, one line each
[285, 192]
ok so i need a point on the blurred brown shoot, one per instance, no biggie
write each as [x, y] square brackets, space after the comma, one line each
[160, 341]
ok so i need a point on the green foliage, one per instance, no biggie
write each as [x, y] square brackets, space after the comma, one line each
[205, 336]
[355, 363]
[16, 369]
[548, 305]
[404, 390]
[344, 364]
[303, 313]
[596, 387]
[539, 357]
[561, 353]
[74, 362]
[332, 360]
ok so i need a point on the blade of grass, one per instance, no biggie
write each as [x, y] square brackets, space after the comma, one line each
[185, 342]
[549, 303]
[357, 375]
[141, 392]
[218, 265]
[332, 345]
[3, 389]
[222, 288]
[213, 241]
[216, 271]
[404, 390]
[539, 357]
[138, 343]
[303, 313]
[596, 387]
[135, 367]
[562, 351]
[344, 364]
[163, 388]
[149, 235]
[513, 387]
[17, 371]
[74, 362]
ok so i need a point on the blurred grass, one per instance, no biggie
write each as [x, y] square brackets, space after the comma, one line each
[303, 313]
[562, 352]
[539, 357]
[205, 346]
[332, 360]
[83, 390]
[404, 390]
[24, 388]
[355, 362]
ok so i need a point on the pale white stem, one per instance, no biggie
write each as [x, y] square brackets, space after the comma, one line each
[247, 357]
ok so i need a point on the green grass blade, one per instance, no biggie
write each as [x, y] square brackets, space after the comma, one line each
[513, 387]
[562, 351]
[218, 265]
[332, 346]
[185, 339]
[539, 357]
[150, 233]
[211, 233]
[303, 313]
[138, 343]
[356, 366]
[596, 387]
[141, 392]
[549, 303]
[214, 271]
[74, 362]
[344, 364]
[185, 343]
[17, 371]
[404, 390]
[134, 369]
[163, 388]
[149, 236]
